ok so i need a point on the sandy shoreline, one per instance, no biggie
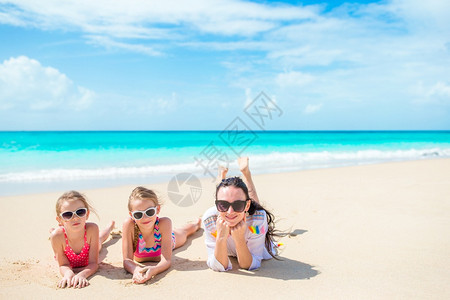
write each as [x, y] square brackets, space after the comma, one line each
[374, 231]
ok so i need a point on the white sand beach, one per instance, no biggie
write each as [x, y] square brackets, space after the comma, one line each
[364, 232]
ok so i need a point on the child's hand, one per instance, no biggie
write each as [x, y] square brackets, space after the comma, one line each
[147, 273]
[66, 281]
[223, 230]
[141, 274]
[79, 281]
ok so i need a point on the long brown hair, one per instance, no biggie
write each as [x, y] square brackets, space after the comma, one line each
[254, 206]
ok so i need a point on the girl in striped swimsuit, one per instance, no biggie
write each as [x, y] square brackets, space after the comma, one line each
[148, 238]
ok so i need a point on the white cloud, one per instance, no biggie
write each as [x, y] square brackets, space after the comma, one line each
[11, 19]
[248, 97]
[293, 78]
[155, 20]
[365, 56]
[439, 93]
[111, 44]
[385, 34]
[431, 94]
[26, 84]
[423, 15]
[158, 106]
[440, 89]
[294, 35]
[312, 108]
[369, 54]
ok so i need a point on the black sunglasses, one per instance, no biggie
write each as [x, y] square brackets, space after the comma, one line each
[67, 215]
[139, 214]
[238, 205]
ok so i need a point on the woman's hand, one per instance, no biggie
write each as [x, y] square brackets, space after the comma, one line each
[223, 230]
[238, 231]
[79, 281]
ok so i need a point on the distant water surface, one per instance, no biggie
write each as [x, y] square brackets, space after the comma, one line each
[46, 161]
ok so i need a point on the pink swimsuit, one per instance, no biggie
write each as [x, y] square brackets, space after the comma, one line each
[77, 260]
[155, 251]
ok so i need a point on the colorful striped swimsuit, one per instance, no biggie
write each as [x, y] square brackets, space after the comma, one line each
[155, 251]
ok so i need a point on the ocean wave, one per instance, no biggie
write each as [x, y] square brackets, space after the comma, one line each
[308, 160]
[260, 163]
[78, 174]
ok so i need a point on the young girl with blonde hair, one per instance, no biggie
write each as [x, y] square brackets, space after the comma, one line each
[75, 242]
[149, 238]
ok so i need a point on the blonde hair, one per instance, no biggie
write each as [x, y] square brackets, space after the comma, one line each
[142, 193]
[73, 196]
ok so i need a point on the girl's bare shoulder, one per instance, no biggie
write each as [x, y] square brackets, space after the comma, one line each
[57, 234]
[165, 223]
[91, 226]
[92, 230]
[128, 222]
[128, 226]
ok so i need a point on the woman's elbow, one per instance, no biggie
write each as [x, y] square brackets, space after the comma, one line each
[245, 266]
[245, 263]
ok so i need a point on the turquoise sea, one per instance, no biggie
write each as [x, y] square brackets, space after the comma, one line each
[47, 161]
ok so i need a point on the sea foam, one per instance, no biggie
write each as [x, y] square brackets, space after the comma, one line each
[260, 163]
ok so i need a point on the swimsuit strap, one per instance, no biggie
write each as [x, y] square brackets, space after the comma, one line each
[156, 226]
[156, 233]
[65, 236]
[67, 240]
[137, 233]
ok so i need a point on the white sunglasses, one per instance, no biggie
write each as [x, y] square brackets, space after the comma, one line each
[68, 215]
[139, 214]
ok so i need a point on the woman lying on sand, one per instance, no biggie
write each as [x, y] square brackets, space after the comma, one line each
[238, 225]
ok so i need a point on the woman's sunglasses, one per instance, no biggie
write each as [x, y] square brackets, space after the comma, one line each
[238, 205]
[139, 214]
[68, 215]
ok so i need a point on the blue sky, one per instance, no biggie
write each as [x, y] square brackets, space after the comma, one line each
[170, 65]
